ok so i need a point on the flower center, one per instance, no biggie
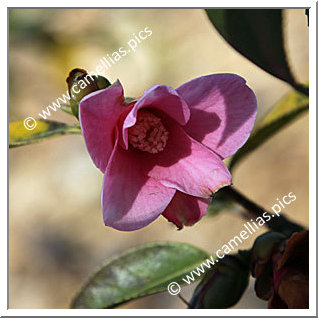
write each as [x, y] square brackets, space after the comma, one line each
[148, 134]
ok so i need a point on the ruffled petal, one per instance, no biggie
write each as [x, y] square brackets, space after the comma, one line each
[131, 199]
[185, 209]
[99, 113]
[187, 165]
[161, 98]
[223, 111]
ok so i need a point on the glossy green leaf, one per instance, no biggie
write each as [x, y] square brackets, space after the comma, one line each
[282, 114]
[19, 135]
[258, 35]
[138, 272]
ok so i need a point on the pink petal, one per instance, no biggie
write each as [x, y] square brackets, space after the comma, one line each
[187, 165]
[223, 111]
[99, 113]
[130, 199]
[162, 98]
[185, 209]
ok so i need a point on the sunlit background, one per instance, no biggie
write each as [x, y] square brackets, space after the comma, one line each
[57, 235]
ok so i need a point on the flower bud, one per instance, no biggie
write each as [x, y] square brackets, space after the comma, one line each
[102, 82]
[80, 84]
[223, 286]
[291, 274]
[267, 244]
[280, 266]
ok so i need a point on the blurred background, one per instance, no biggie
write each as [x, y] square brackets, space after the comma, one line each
[56, 233]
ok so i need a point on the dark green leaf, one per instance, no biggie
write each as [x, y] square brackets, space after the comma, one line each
[138, 272]
[283, 113]
[258, 35]
[19, 135]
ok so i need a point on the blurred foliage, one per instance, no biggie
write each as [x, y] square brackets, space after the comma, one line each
[281, 114]
[145, 270]
[28, 29]
[258, 35]
[19, 135]
[39, 27]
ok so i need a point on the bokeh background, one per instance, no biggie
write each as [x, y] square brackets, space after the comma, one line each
[56, 233]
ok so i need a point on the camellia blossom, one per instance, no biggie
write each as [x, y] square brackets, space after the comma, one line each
[162, 153]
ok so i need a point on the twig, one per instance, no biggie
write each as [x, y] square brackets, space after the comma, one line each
[184, 301]
[280, 224]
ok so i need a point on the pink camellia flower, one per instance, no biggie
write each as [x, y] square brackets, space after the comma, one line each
[162, 153]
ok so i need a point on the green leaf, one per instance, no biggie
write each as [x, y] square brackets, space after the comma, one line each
[282, 114]
[143, 271]
[67, 109]
[20, 136]
[258, 35]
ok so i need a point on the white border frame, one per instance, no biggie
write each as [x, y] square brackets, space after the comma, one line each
[312, 163]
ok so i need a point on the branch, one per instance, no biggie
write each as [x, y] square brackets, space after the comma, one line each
[280, 224]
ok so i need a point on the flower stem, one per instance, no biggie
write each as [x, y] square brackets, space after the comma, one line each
[279, 224]
[184, 301]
